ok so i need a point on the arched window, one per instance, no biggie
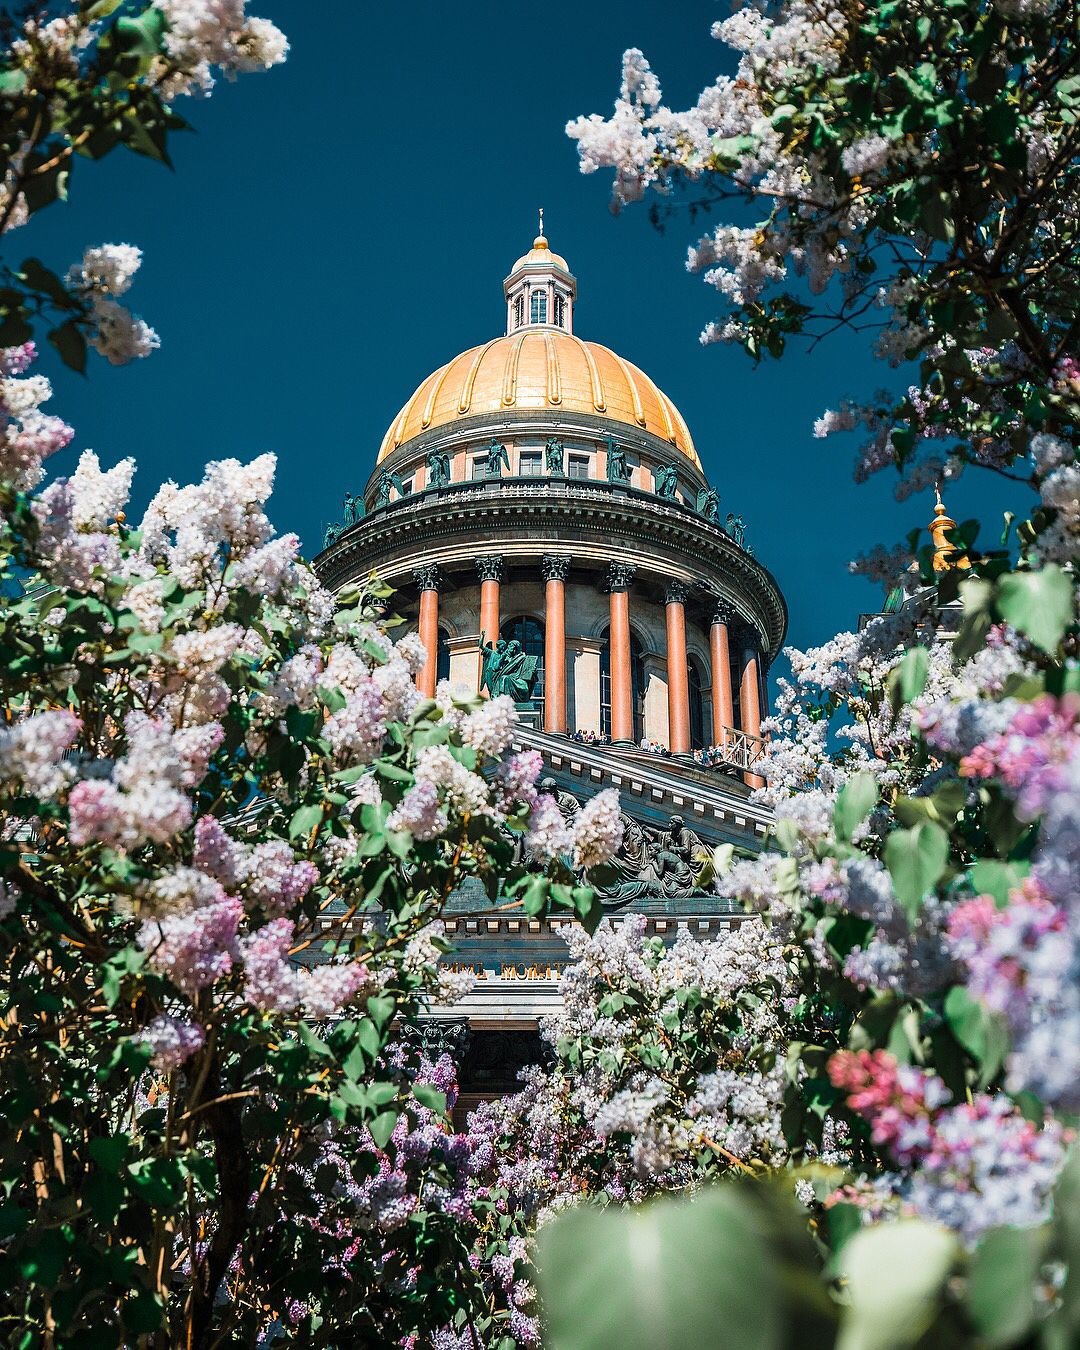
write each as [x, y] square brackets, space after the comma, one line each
[442, 658]
[519, 310]
[697, 708]
[538, 311]
[529, 633]
[560, 310]
[637, 685]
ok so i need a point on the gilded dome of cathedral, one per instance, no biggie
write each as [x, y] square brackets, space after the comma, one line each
[540, 369]
[539, 365]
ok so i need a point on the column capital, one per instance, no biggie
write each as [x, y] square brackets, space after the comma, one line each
[676, 593]
[428, 577]
[722, 611]
[555, 566]
[490, 568]
[620, 576]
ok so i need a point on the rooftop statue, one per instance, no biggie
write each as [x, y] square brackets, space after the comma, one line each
[553, 456]
[387, 482]
[438, 469]
[708, 504]
[736, 527]
[354, 509]
[497, 460]
[331, 535]
[666, 482]
[507, 669]
[618, 471]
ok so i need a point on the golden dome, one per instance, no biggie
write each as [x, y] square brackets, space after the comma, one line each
[539, 369]
[540, 255]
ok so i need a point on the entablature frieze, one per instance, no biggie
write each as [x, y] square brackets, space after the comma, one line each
[450, 528]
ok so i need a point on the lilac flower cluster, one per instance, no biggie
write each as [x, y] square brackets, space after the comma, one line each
[974, 1166]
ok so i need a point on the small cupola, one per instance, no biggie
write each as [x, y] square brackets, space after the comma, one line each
[540, 290]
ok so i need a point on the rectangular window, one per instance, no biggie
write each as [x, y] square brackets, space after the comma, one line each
[539, 307]
[406, 487]
[560, 311]
[579, 466]
[519, 311]
[530, 463]
[479, 467]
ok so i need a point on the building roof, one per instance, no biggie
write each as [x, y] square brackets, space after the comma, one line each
[540, 369]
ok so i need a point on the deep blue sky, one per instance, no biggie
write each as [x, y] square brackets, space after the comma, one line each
[340, 226]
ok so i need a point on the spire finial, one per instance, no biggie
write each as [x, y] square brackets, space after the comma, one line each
[946, 555]
[541, 222]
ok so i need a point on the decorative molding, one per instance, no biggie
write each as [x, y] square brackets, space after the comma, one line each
[555, 566]
[676, 593]
[620, 576]
[428, 577]
[490, 568]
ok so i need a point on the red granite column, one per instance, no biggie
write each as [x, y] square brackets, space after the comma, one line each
[427, 579]
[555, 568]
[678, 680]
[620, 575]
[490, 571]
[723, 703]
[749, 697]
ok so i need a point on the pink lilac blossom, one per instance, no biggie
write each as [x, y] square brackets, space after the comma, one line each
[356, 732]
[194, 948]
[1033, 755]
[172, 1041]
[974, 1166]
[419, 812]
[515, 780]
[143, 799]
[547, 836]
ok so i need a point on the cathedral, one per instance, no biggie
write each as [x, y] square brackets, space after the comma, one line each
[540, 510]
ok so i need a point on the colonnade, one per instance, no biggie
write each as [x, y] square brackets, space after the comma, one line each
[555, 568]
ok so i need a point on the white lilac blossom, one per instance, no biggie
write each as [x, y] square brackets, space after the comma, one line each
[207, 34]
[28, 435]
[32, 753]
[598, 830]
[489, 728]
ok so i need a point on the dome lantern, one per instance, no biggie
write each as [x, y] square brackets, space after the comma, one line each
[540, 290]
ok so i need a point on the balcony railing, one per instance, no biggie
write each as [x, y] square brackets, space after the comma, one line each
[569, 490]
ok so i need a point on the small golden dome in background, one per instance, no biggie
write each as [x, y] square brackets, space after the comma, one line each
[540, 255]
[540, 370]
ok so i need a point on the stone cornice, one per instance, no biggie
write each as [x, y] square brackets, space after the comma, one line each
[597, 523]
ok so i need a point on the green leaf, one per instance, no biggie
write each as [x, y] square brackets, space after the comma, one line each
[981, 1034]
[430, 1097]
[145, 35]
[908, 680]
[382, 1127]
[894, 1273]
[381, 1008]
[1037, 604]
[660, 1276]
[857, 798]
[304, 820]
[1001, 1285]
[990, 876]
[916, 860]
